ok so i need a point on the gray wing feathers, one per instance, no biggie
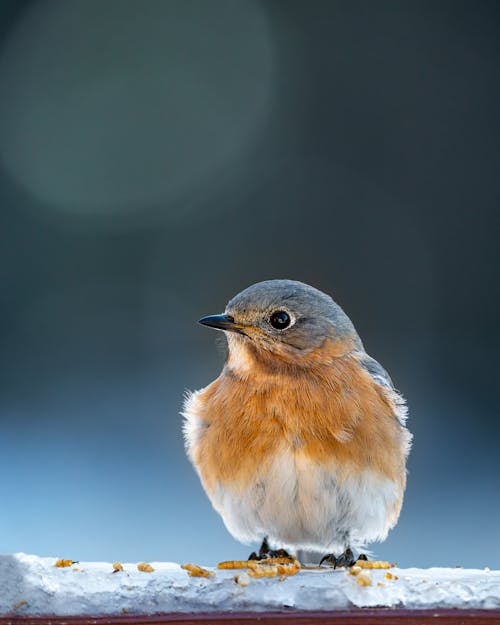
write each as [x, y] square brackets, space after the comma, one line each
[375, 369]
[380, 375]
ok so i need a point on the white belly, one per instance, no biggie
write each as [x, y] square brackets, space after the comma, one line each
[299, 504]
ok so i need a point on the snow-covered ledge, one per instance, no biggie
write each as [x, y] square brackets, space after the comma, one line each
[35, 586]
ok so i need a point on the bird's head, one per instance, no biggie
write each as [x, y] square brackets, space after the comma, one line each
[284, 321]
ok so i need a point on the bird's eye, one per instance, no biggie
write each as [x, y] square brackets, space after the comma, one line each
[279, 320]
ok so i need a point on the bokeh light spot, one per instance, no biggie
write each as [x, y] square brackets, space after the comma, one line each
[126, 107]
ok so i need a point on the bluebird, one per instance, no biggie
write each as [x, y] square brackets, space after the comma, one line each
[301, 441]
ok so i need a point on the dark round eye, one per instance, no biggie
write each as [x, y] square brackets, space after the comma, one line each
[279, 320]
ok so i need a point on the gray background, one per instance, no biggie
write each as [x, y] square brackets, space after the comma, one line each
[158, 157]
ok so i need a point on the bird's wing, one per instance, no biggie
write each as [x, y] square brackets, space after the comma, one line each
[375, 369]
[380, 375]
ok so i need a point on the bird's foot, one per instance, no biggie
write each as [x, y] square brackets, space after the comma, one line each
[345, 559]
[265, 553]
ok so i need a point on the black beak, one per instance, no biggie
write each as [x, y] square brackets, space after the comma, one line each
[220, 322]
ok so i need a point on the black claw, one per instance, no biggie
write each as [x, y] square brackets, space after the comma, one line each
[330, 558]
[265, 552]
[362, 556]
[280, 553]
[345, 559]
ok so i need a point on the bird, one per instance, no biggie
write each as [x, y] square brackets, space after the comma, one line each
[301, 442]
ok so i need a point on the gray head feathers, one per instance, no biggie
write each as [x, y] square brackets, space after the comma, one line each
[313, 316]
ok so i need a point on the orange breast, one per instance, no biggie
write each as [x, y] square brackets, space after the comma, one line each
[334, 414]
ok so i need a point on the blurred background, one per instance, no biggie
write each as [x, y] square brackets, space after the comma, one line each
[158, 157]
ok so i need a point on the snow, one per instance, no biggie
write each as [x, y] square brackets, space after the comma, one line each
[34, 585]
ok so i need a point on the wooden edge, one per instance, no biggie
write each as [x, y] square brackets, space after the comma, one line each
[364, 616]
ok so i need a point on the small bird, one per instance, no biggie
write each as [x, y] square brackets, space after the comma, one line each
[301, 441]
